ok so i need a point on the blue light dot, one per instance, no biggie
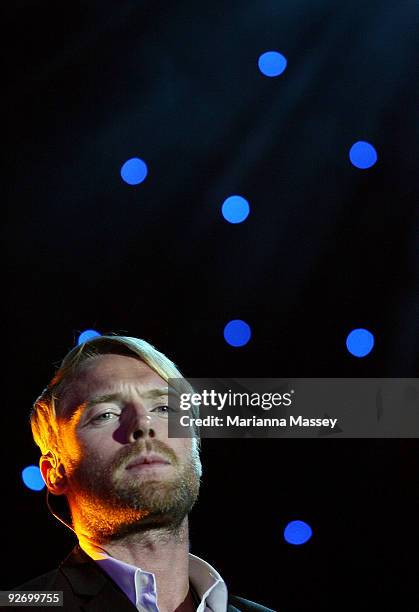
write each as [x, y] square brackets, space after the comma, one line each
[235, 209]
[272, 63]
[237, 333]
[297, 532]
[362, 155]
[360, 342]
[134, 171]
[32, 478]
[87, 335]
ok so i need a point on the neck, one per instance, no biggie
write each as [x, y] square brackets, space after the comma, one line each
[162, 551]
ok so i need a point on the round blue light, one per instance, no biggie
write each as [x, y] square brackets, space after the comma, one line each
[87, 335]
[297, 532]
[32, 478]
[360, 342]
[362, 155]
[237, 333]
[134, 171]
[272, 63]
[235, 209]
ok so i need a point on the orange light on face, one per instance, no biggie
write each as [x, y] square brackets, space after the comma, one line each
[106, 520]
[109, 491]
[71, 447]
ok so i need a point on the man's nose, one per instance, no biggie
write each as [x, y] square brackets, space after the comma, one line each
[141, 427]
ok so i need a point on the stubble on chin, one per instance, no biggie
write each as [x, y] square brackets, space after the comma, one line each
[112, 503]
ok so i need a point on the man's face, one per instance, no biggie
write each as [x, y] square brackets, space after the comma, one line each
[113, 413]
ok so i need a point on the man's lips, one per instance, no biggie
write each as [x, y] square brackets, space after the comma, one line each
[149, 460]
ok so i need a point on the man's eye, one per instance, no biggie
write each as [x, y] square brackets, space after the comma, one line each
[98, 418]
[161, 409]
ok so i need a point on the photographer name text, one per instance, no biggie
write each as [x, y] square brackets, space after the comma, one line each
[237, 421]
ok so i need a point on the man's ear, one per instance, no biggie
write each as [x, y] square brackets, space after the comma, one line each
[53, 473]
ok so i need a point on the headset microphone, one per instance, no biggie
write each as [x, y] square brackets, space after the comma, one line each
[56, 515]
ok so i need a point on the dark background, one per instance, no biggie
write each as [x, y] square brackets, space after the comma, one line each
[326, 248]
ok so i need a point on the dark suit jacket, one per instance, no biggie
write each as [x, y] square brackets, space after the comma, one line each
[86, 587]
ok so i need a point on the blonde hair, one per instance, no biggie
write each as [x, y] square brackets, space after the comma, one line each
[45, 411]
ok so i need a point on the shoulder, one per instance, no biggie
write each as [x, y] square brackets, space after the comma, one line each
[53, 578]
[244, 605]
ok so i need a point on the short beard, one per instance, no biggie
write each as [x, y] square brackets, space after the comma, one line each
[106, 505]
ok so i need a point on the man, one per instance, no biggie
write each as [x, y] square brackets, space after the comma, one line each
[102, 428]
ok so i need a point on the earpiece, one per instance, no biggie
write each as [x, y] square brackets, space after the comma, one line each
[54, 476]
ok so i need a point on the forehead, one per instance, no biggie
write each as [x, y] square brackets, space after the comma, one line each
[106, 373]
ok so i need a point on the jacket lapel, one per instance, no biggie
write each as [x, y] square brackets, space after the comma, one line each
[94, 589]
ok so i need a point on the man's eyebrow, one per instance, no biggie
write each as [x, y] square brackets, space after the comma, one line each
[101, 399]
[87, 405]
[119, 397]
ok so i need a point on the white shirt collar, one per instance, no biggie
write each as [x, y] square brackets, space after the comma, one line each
[140, 586]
